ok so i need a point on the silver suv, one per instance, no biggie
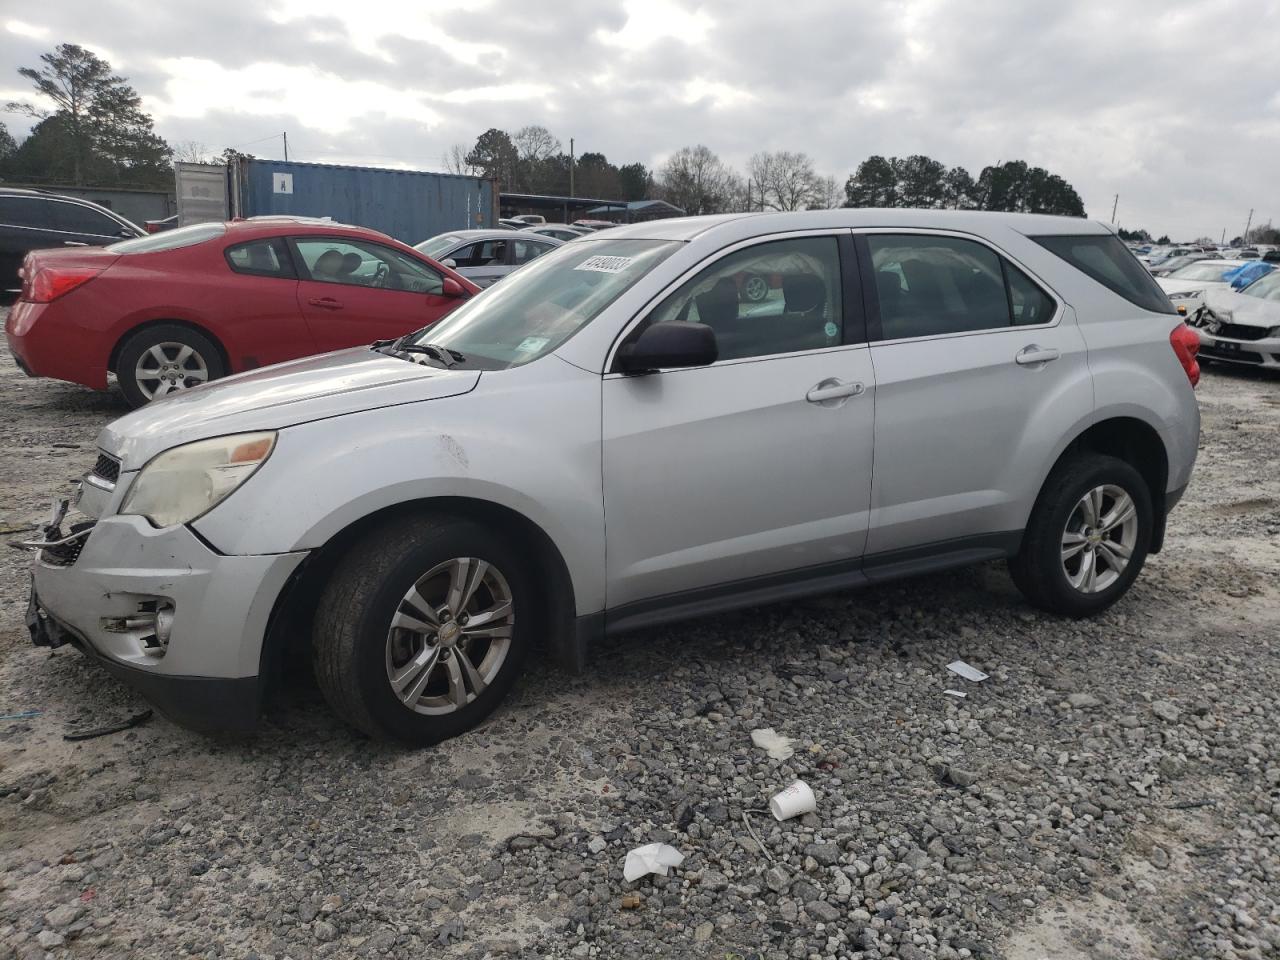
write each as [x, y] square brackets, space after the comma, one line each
[630, 431]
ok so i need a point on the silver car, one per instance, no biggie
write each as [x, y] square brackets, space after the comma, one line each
[486, 256]
[619, 437]
[1241, 327]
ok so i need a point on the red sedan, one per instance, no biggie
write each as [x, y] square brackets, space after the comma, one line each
[173, 310]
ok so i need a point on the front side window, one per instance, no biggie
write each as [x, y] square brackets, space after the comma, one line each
[261, 258]
[929, 286]
[539, 307]
[484, 253]
[359, 263]
[781, 296]
[76, 218]
[1103, 258]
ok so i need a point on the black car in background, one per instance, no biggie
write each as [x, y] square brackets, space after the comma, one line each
[36, 220]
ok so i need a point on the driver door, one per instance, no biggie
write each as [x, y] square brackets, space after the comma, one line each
[352, 292]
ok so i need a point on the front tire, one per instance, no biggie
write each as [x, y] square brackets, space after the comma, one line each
[164, 359]
[422, 629]
[1087, 538]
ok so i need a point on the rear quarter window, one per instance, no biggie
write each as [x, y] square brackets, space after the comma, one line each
[1108, 261]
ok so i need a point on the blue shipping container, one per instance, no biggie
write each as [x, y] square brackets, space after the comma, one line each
[410, 205]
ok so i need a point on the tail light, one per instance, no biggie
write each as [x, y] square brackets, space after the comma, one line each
[1186, 344]
[50, 283]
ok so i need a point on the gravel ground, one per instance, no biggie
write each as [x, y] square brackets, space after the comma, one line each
[1112, 791]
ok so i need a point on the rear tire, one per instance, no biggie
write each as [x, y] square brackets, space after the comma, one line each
[1087, 539]
[394, 657]
[164, 359]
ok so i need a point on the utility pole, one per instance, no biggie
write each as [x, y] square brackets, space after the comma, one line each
[1247, 225]
[285, 136]
[571, 166]
[1113, 208]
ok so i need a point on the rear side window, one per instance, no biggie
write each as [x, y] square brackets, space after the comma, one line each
[1108, 261]
[261, 258]
[26, 212]
[170, 239]
[930, 286]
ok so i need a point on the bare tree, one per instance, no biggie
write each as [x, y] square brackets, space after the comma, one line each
[455, 161]
[784, 180]
[535, 144]
[828, 194]
[193, 151]
[698, 181]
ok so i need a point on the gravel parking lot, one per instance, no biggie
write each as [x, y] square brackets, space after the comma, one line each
[1112, 791]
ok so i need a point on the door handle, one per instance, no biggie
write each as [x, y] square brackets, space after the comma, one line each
[1035, 354]
[833, 389]
[328, 303]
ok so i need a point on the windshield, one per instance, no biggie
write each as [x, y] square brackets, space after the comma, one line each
[1266, 288]
[1201, 271]
[437, 245]
[543, 304]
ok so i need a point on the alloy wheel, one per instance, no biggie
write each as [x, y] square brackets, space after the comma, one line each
[167, 367]
[1099, 538]
[450, 636]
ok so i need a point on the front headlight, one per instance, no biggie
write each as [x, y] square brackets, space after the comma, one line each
[188, 481]
[1186, 295]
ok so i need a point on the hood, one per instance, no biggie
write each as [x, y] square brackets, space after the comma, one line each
[314, 388]
[1173, 285]
[1231, 307]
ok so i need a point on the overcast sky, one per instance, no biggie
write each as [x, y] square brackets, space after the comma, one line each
[1174, 105]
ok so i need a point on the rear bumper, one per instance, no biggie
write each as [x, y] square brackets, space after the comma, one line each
[45, 345]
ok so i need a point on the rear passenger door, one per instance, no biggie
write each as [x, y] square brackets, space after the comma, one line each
[980, 371]
[262, 304]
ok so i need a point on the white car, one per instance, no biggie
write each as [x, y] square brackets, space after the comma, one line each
[1186, 287]
[1241, 327]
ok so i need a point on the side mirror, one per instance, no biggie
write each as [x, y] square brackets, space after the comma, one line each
[670, 344]
[451, 263]
[451, 288]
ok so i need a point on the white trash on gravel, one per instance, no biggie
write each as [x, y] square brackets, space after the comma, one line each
[966, 671]
[655, 858]
[795, 801]
[771, 742]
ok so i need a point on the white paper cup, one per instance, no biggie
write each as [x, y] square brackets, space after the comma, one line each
[794, 801]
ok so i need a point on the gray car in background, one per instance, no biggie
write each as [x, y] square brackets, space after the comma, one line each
[486, 256]
[620, 437]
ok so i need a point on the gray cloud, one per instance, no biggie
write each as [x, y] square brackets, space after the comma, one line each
[1174, 106]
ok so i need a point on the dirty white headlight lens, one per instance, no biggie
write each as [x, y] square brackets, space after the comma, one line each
[186, 482]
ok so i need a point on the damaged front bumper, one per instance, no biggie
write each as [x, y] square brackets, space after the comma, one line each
[162, 611]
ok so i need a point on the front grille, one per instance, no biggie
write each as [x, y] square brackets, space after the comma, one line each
[1239, 331]
[66, 554]
[107, 468]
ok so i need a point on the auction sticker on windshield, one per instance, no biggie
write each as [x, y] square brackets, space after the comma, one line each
[604, 264]
[531, 344]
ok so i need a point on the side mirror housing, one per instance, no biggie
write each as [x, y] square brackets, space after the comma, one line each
[670, 344]
[451, 288]
[451, 263]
